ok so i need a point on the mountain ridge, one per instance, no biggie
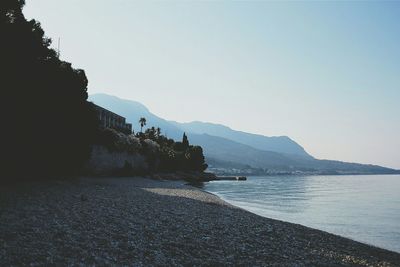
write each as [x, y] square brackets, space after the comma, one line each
[133, 110]
[223, 145]
[281, 144]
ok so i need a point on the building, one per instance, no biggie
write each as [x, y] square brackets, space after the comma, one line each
[109, 119]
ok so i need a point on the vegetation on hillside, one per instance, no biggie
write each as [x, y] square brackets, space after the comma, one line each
[48, 124]
[49, 127]
[163, 154]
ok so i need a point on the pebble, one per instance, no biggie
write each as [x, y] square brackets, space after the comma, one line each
[142, 222]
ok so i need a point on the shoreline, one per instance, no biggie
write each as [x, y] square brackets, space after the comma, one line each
[306, 174]
[367, 214]
[365, 243]
[140, 221]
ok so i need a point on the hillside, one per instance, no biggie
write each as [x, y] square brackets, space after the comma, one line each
[228, 149]
[133, 110]
[281, 144]
[228, 154]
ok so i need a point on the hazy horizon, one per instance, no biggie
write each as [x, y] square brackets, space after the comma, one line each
[324, 74]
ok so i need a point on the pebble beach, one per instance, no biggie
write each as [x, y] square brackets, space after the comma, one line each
[146, 222]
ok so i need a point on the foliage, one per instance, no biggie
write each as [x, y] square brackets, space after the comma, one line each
[133, 143]
[180, 156]
[142, 122]
[195, 158]
[162, 154]
[151, 146]
[185, 141]
[116, 141]
[49, 123]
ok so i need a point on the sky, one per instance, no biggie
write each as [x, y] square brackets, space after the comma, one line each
[326, 74]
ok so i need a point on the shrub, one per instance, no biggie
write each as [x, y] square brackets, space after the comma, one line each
[134, 144]
[150, 146]
[162, 154]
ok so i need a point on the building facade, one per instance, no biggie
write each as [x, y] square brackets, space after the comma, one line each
[109, 119]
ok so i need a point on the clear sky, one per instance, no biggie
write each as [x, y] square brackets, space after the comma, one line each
[327, 74]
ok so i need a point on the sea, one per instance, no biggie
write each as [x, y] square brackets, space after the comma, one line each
[364, 208]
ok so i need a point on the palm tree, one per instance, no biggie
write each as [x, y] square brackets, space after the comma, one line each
[142, 122]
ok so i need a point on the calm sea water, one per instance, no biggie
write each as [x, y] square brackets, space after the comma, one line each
[365, 208]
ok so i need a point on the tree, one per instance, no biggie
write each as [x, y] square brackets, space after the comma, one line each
[49, 123]
[150, 133]
[196, 161]
[185, 141]
[142, 122]
[158, 132]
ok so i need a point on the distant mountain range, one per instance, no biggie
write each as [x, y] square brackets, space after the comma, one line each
[281, 144]
[230, 151]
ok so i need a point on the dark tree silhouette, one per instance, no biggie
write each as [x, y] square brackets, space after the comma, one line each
[185, 141]
[142, 122]
[196, 159]
[158, 130]
[48, 125]
[151, 133]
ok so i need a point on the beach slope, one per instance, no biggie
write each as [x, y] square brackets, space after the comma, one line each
[141, 222]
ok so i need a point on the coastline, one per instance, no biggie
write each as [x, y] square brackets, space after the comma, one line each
[141, 221]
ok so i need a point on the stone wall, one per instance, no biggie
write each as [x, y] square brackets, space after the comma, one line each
[104, 162]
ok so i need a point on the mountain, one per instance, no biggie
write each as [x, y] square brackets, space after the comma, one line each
[230, 150]
[281, 144]
[221, 152]
[133, 110]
